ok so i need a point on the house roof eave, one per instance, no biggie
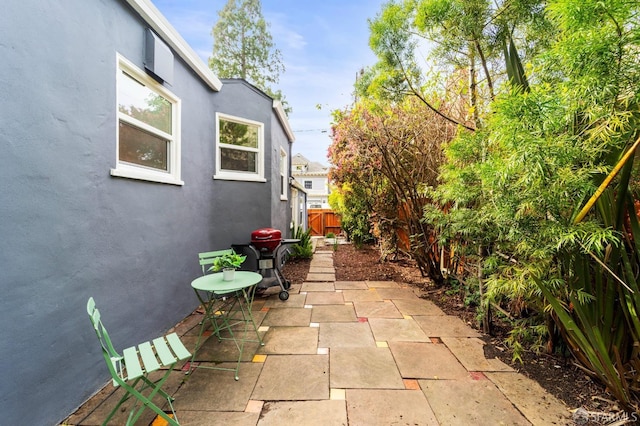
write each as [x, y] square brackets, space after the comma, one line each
[165, 30]
[282, 116]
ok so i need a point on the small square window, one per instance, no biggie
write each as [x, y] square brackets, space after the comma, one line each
[308, 184]
[239, 148]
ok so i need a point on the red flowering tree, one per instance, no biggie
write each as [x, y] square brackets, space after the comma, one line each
[388, 156]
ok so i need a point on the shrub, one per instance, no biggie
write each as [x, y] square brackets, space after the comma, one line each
[303, 249]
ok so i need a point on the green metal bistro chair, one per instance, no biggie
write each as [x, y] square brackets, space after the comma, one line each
[132, 375]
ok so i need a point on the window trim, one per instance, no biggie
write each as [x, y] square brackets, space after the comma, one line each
[284, 174]
[220, 174]
[127, 170]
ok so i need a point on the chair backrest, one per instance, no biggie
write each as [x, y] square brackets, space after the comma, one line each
[112, 358]
[207, 258]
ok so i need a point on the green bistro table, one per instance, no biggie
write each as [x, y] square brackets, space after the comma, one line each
[227, 304]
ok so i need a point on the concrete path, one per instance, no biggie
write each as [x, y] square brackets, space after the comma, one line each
[348, 353]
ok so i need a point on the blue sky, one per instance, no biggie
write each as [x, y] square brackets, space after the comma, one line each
[323, 46]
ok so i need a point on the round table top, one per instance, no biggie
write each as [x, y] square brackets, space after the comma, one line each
[214, 282]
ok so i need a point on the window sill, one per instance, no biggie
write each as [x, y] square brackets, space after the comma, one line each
[283, 198]
[148, 176]
[239, 177]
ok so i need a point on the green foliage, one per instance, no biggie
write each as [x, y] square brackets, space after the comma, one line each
[352, 204]
[515, 187]
[303, 249]
[330, 235]
[243, 47]
[552, 99]
[232, 260]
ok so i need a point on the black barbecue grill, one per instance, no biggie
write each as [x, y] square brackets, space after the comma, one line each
[266, 254]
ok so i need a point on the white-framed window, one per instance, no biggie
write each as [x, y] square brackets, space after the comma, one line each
[308, 184]
[239, 149]
[284, 174]
[148, 136]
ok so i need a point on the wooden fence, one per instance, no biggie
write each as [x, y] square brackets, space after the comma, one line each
[323, 221]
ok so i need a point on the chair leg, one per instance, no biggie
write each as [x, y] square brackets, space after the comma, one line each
[147, 401]
[124, 398]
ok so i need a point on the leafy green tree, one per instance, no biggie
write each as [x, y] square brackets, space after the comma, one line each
[243, 47]
[354, 208]
[464, 37]
[525, 176]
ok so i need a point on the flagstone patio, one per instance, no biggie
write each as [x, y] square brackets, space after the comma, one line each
[346, 353]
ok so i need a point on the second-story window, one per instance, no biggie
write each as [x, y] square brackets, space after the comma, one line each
[308, 184]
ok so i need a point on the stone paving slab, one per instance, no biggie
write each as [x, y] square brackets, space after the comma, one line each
[365, 368]
[323, 253]
[384, 309]
[388, 407]
[294, 301]
[293, 377]
[445, 326]
[369, 295]
[226, 350]
[324, 298]
[351, 285]
[333, 313]
[321, 286]
[322, 263]
[208, 418]
[300, 317]
[320, 277]
[418, 360]
[538, 406]
[304, 413]
[470, 402]
[321, 270]
[194, 327]
[345, 335]
[382, 284]
[391, 329]
[186, 325]
[397, 293]
[216, 390]
[470, 353]
[290, 341]
[417, 307]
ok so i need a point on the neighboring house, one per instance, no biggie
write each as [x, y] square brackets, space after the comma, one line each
[123, 157]
[298, 206]
[313, 177]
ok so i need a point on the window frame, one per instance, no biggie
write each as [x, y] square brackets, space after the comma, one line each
[130, 170]
[310, 182]
[238, 175]
[284, 175]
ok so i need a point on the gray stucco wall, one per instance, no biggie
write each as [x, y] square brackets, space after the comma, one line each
[281, 210]
[69, 230]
